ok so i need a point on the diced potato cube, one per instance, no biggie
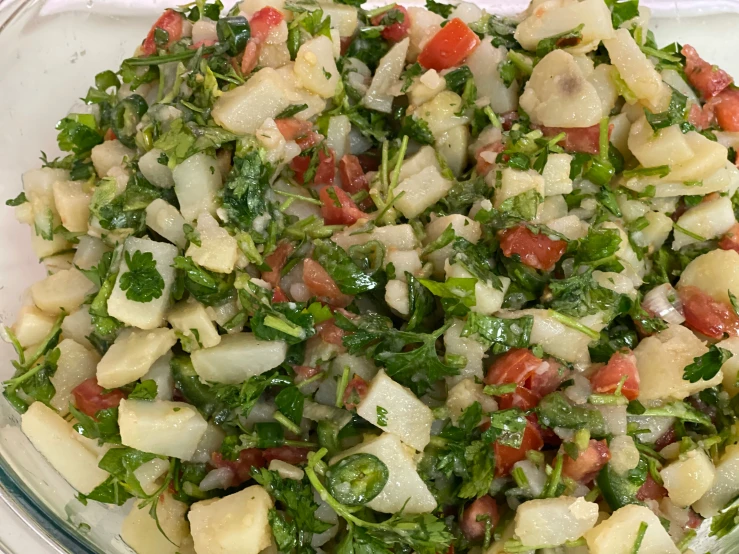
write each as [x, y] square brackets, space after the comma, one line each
[32, 325]
[554, 521]
[441, 113]
[404, 261]
[452, 146]
[89, 252]
[403, 484]
[421, 191]
[149, 315]
[55, 438]
[401, 237]
[343, 17]
[556, 175]
[473, 350]
[161, 427]
[688, 478]
[463, 226]
[38, 184]
[337, 136]
[218, 250]
[210, 442]
[78, 326]
[156, 173]
[66, 290]
[108, 155]
[488, 299]
[661, 360]
[654, 235]
[140, 531]
[315, 67]
[397, 296]
[197, 181]
[395, 409]
[235, 524]
[45, 248]
[161, 373]
[715, 273]
[249, 7]
[465, 393]
[148, 473]
[426, 87]
[425, 157]
[484, 62]
[166, 220]
[243, 109]
[72, 201]
[570, 226]
[237, 358]
[380, 93]
[191, 315]
[76, 364]
[730, 370]
[551, 209]
[424, 25]
[617, 534]
[725, 485]
[708, 220]
[131, 356]
[515, 182]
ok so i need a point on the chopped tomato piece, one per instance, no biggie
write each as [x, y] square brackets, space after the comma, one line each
[694, 520]
[320, 283]
[109, 135]
[546, 378]
[306, 372]
[726, 108]
[585, 139]
[170, 22]
[666, 439]
[90, 398]
[708, 79]
[507, 119]
[241, 467]
[278, 295]
[707, 316]
[293, 128]
[506, 456]
[263, 21]
[394, 30]
[730, 241]
[326, 168]
[702, 118]
[330, 332]
[290, 454]
[486, 156]
[523, 398]
[481, 513]
[535, 250]
[353, 179]
[515, 366]
[338, 207]
[608, 377]
[651, 490]
[447, 48]
[588, 463]
[276, 261]
[345, 42]
[355, 392]
[250, 57]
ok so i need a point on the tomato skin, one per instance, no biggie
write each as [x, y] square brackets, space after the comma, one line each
[241, 467]
[305, 372]
[109, 135]
[170, 21]
[324, 172]
[276, 261]
[90, 398]
[726, 108]
[708, 79]
[545, 379]
[702, 118]
[397, 31]
[278, 295]
[320, 283]
[355, 392]
[353, 179]
[651, 490]
[607, 378]
[588, 463]
[537, 251]
[707, 316]
[483, 165]
[473, 529]
[506, 456]
[523, 398]
[330, 332]
[447, 48]
[290, 454]
[515, 366]
[250, 57]
[585, 139]
[346, 213]
[262, 22]
[292, 128]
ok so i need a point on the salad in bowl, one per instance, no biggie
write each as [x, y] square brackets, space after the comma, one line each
[326, 278]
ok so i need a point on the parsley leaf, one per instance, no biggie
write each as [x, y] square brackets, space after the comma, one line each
[142, 282]
[444, 10]
[556, 411]
[512, 333]
[708, 365]
[145, 390]
[348, 275]
[573, 37]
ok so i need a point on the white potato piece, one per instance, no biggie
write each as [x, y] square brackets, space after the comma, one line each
[76, 364]
[237, 358]
[725, 179]
[616, 535]
[688, 478]
[148, 473]
[708, 220]
[78, 326]
[131, 356]
[426, 87]
[421, 191]
[472, 349]
[235, 524]
[397, 296]
[602, 80]
[337, 136]
[45, 248]
[190, 314]
[484, 62]
[553, 18]
[158, 174]
[380, 93]
[661, 360]
[166, 220]
[441, 113]
[715, 273]
[551, 208]
[404, 261]
[149, 315]
[559, 95]
[620, 127]
[637, 71]
[425, 157]
[315, 67]
[452, 146]
[140, 531]
[634, 268]
[65, 290]
[243, 109]
[730, 370]
[570, 226]
[465, 393]
[403, 484]
[38, 185]
[556, 175]
[89, 252]
[109, 154]
[403, 413]
[32, 325]
[654, 235]
[54, 438]
[401, 236]
[210, 442]
[463, 226]
[725, 485]
[161, 373]
[424, 25]
[197, 181]
[343, 17]
[218, 250]
[514, 182]
[161, 427]
[617, 282]
[488, 299]
[554, 521]
[72, 200]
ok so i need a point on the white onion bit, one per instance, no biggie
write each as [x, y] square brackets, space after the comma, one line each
[220, 478]
[664, 302]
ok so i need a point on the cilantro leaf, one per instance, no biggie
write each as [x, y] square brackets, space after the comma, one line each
[103, 427]
[290, 403]
[512, 333]
[207, 287]
[145, 390]
[245, 190]
[622, 11]
[707, 366]
[556, 411]
[348, 275]
[457, 294]
[417, 129]
[444, 10]
[78, 133]
[142, 282]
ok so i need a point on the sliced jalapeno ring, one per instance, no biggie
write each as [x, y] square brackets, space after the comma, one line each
[356, 479]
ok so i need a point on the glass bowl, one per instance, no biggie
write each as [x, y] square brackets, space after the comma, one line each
[50, 51]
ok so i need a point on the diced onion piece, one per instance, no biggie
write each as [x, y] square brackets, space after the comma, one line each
[664, 302]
